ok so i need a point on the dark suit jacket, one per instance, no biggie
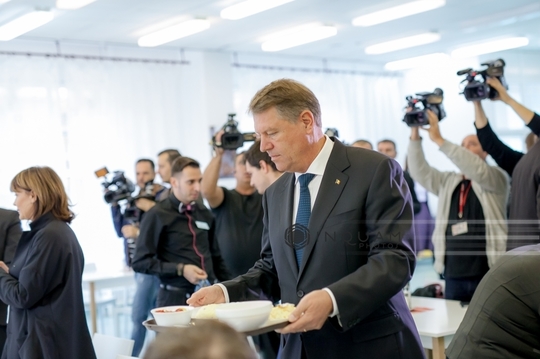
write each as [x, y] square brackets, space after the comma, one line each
[502, 321]
[361, 247]
[10, 232]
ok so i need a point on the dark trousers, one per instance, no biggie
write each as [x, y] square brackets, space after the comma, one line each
[461, 289]
[2, 336]
[166, 297]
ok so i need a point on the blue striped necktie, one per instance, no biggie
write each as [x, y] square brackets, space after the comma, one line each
[303, 214]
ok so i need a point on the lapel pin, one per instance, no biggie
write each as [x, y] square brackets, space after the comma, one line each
[338, 181]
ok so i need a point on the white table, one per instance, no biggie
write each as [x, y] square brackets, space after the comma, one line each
[437, 326]
[95, 281]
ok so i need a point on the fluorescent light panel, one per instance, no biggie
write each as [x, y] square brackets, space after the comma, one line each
[24, 24]
[3, 1]
[403, 43]
[250, 7]
[397, 12]
[418, 61]
[489, 47]
[72, 4]
[175, 32]
[298, 38]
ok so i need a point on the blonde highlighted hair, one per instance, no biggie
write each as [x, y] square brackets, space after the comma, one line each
[49, 190]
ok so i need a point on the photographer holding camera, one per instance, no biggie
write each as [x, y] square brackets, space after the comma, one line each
[523, 168]
[470, 230]
[238, 211]
[127, 227]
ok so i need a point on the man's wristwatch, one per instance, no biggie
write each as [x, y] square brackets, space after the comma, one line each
[180, 269]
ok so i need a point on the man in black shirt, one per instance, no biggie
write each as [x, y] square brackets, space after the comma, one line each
[238, 213]
[524, 218]
[176, 240]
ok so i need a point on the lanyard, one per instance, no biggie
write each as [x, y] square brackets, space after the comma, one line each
[463, 193]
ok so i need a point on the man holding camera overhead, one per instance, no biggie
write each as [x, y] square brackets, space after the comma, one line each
[523, 168]
[470, 230]
[238, 212]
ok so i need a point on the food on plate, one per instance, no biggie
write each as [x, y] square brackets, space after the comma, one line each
[205, 312]
[281, 311]
[170, 311]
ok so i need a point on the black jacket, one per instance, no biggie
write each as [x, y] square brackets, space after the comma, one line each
[502, 320]
[43, 288]
[10, 232]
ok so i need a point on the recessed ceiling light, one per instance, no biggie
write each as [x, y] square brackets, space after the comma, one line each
[175, 32]
[250, 7]
[403, 43]
[397, 12]
[488, 47]
[72, 4]
[296, 38]
[24, 24]
[419, 61]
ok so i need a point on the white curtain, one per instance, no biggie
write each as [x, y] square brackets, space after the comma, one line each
[79, 115]
[358, 105]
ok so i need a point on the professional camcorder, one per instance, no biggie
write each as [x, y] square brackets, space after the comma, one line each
[232, 138]
[120, 188]
[479, 90]
[417, 116]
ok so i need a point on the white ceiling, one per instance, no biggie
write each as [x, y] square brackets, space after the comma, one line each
[124, 21]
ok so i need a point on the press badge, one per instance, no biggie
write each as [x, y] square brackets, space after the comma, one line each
[459, 228]
[202, 225]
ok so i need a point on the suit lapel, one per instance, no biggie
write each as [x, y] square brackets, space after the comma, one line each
[332, 185]
[286, 198]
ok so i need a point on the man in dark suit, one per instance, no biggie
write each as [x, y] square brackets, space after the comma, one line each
[10, 232]
[502, 320]
[337, 239]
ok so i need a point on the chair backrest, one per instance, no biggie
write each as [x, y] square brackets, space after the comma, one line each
[125, 357]
[107, 347]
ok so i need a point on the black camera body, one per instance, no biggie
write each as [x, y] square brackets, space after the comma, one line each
[420, 104]
[120, 188]
[232, 138]
[476, 90]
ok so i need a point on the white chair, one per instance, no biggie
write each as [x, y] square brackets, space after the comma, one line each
[125, 357]
[107, 347]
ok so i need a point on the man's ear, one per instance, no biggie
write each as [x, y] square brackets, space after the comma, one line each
[264, 166]
[307, 119]
[174, 181]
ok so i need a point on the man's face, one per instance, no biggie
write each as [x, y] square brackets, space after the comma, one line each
[285, 142]
[386, 148]
[164, 167]
[240, 173]
[365, 145]
[144, 173]
[472, 144]
[258, 178]
[186, 185]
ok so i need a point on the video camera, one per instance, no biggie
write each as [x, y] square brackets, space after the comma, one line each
[479, 90]
[120, 188]
[420, 104]
[232, 138]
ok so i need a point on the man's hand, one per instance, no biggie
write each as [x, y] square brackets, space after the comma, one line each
[496, 84]
[433, 130]
[144, 204]
[4, 266]
[193, 273]
[207, 295]
[130, 231]
[310, 314]
[219, 150]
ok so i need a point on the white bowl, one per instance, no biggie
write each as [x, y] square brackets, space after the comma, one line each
[245, 316]
[168, 316]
